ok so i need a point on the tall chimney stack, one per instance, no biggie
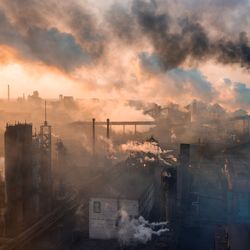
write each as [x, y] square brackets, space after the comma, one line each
[93, 135]
[182, 176]
[108, 128]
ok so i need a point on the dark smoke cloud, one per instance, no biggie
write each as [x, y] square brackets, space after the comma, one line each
[49, 46]
[85, 28]
[69, 35]
[191, 41]
[56, 48]
[30, 27]
[178, 39]
[122, 23]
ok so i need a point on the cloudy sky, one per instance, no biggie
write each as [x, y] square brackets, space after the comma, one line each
[158, 50]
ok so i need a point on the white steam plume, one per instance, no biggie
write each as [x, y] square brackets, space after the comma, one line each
[135, 231]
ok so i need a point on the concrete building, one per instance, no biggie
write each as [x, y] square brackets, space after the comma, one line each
[27, 175]
[2, 198]
[182, 177]
[20, 187]
[232, 237]
[238, 194]
[129, 193]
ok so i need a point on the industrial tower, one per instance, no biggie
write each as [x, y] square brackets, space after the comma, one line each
[46, 171]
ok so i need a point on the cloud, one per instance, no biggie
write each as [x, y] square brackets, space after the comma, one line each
[184, 81]
[233, 94]
[242, 94]
[28, 27]
[56, 48]
[145, 49]
[198, 83]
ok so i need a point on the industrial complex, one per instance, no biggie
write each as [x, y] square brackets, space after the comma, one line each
[83, 184]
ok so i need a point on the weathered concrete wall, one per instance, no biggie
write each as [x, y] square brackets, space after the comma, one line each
[103, 225]
[104, 213]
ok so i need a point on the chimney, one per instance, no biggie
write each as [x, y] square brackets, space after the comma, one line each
[182, 177]
[93, 135]
[108, 128]
[184, 154]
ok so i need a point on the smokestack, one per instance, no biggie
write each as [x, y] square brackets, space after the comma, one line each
[182, 176]
[184, 154]
[93, 135]
[123, 129]
[108, 127]
[8, 92]
[45, 114]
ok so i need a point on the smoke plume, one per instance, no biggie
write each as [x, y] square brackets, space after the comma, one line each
[134, 231]
[132, 48]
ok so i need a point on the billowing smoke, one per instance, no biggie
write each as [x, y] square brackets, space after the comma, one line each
[148, 151]
[146, 147]
[134, 231]
[82, 35]
[131, 48]
[35, 35]
[178, 39]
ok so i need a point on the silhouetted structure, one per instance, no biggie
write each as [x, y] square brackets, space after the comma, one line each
[182, 175]
[28, 175]
[45, 168]
[20, 184]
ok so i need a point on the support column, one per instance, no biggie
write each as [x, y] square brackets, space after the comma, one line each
[123, 129]
[93, 135]
[108, 129]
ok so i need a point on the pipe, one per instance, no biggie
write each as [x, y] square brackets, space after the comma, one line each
[93, 135]
[108, 129]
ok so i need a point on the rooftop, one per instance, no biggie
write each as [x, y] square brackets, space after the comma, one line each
[124, 185]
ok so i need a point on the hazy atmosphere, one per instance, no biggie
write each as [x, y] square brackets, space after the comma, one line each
[124, 124]
[165, 51]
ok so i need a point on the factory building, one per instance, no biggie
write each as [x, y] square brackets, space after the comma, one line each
[238, 193]
[182, 177]
[27, 176]
[20, 188]
[232, 237]
[168, 194]
[2, 198]
[128, 193]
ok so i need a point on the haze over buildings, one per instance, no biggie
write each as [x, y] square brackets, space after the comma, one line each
[124, 124]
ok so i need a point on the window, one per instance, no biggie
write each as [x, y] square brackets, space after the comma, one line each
[97, 207]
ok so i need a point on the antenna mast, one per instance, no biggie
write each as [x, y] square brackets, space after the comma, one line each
[45, 114]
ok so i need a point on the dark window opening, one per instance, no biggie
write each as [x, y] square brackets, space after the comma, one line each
[97, 207]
